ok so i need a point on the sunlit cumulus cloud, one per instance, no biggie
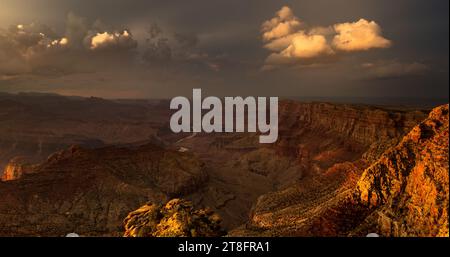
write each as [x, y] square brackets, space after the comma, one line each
[61, 42]
[92, 49]
[115, 40]
[292, 42]
[307, 46]
[35, 48]
[359, 36]
[283, 24]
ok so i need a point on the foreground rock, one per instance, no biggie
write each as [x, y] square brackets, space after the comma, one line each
[176, 218]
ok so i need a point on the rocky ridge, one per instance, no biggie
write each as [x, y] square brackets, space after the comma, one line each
[408, 187]
[90, 191]
[403, 193]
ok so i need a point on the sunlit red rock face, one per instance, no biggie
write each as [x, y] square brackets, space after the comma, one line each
[16, 168]
[403, 193]
[408, 187]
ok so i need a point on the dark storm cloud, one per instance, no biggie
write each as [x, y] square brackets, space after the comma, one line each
[391, 69]
[32, 49]
[160, 48]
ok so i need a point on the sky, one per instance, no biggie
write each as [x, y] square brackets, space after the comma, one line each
[161, 49]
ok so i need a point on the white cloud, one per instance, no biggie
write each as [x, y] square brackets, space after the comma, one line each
[101, 39]
[307, 46]
[291, 42]
[283, 24]
[359, 36]
[109, 41]
[58, 43]
[36, 48]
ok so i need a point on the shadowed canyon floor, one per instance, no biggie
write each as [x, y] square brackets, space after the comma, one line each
[305, 184]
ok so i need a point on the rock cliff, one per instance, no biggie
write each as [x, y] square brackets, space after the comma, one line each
[360, 126]
[408, 187]
[403, 193]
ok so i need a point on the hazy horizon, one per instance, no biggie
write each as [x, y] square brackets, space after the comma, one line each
[416, 102]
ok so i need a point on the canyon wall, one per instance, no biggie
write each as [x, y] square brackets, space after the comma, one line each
[91, 191]
[281, 188]
[403, 193]
[408, 187]
[33, 126]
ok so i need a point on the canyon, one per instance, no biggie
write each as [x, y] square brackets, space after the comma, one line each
[83, 164]
[403, 193]
[236, 110]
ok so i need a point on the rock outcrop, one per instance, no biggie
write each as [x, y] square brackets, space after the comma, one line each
[408, 187]
[359, 126]
[176, 218]
[16, 168]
